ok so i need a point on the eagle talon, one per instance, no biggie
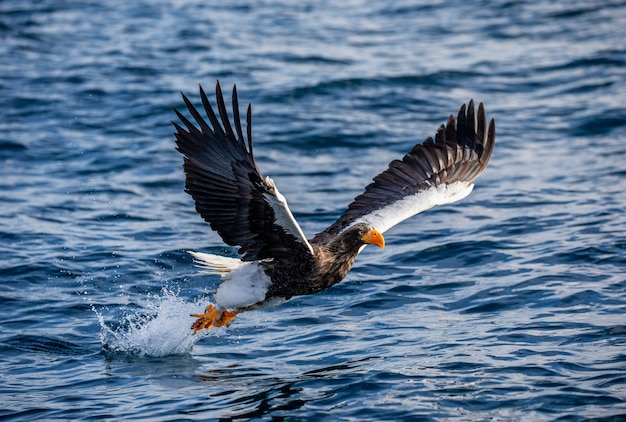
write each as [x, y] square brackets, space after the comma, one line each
[212, 317]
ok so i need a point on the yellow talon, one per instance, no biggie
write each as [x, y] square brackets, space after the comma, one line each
[212, 316]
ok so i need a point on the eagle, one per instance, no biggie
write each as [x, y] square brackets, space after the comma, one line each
[276, 259]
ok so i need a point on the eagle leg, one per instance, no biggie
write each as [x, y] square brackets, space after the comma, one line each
[212, 316]
[207, 319]
[225, 318]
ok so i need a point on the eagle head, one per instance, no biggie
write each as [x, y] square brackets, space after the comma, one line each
[355, 237]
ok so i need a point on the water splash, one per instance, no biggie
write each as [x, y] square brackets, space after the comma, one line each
[164, 331]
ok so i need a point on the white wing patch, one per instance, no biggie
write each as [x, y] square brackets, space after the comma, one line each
[385, 218]
[283, 215]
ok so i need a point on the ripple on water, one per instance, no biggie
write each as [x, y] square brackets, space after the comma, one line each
[508, 305]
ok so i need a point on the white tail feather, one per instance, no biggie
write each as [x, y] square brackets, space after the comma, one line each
[215, 264]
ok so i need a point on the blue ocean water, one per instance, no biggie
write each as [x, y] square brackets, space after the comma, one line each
[507, 306]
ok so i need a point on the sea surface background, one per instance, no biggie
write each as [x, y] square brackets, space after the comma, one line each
[510, 305]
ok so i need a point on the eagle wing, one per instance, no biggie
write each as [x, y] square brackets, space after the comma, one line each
[229, 191]
[435, 172]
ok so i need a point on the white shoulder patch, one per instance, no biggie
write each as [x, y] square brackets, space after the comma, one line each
[283, 215]
[387, 217]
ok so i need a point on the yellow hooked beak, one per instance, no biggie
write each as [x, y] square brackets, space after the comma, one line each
[374, 237]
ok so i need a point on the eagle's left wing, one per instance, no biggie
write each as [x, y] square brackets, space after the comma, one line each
[436, 172]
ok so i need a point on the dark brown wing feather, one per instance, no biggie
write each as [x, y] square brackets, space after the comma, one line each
[229, 191]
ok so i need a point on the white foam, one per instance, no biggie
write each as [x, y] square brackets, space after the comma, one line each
[165, 331]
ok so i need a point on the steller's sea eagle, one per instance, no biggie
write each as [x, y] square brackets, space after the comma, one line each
[277, 260]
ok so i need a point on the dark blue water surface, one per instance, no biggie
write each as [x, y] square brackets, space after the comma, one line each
[507, 306]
